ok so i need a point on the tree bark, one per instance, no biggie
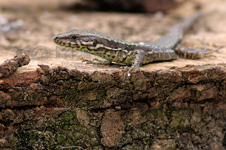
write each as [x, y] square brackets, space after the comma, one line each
[58, 108]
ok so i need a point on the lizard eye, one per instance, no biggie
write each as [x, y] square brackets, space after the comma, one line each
[74, 37]
[94, 43]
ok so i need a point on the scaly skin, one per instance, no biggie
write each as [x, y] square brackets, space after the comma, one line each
[116, 50]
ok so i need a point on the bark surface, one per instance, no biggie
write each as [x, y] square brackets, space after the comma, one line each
[58, 108]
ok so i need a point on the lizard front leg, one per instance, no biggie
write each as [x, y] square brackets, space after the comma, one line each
[138, 60]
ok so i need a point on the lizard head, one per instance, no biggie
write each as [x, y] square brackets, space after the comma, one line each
[82, 39]
[90, 41]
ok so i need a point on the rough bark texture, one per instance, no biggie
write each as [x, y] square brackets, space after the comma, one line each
[10, 66]
[58, 108]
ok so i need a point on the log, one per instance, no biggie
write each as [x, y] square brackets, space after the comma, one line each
[58, 102]
[60, 108]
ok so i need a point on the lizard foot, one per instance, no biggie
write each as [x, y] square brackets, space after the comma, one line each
[206, 53]
[133, 68]
[129, 69]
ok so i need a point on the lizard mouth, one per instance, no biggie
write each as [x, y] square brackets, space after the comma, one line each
[59, 40]
[64, 41]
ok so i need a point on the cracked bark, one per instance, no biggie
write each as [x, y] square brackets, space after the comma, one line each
[10, 66]
[58, 108]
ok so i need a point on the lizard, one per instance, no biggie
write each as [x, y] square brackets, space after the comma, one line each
[129, 53]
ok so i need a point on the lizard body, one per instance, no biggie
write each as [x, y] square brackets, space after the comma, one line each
[120, 51]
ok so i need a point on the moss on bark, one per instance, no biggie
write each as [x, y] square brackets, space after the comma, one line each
[68, 109]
